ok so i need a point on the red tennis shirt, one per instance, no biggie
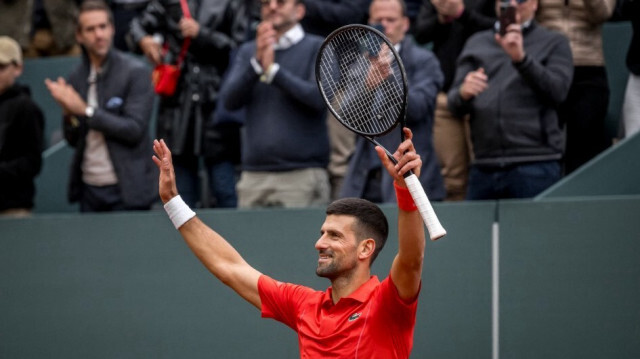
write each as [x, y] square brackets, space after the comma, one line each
[373, 322]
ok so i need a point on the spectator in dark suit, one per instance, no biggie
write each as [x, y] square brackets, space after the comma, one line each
[424, 77]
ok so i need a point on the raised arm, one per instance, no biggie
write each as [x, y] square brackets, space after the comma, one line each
[220, 258]
[406, 270]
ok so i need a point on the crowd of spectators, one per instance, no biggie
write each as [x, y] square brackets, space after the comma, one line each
[246, 121]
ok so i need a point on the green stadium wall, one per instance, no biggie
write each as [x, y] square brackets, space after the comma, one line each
[124, 285]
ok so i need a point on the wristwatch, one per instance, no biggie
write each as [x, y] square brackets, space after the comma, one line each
[89, 111]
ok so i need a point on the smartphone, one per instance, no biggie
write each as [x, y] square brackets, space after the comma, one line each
[374, 48]
[507, 17]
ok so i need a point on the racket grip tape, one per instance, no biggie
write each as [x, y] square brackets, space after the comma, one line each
[429, 217]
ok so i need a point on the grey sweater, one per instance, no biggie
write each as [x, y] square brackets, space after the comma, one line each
[515, 120]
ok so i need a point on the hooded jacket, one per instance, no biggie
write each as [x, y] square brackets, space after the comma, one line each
[21, 144]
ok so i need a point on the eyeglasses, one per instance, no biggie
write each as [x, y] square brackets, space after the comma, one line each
[268, 2]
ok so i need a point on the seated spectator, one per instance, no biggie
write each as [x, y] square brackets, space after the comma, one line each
[285, 146]
[630, 10]
[107, 105]
[447, 24]
[21, 135]
[585, 108]
[511, 85]
[364, 176]
[42, 27]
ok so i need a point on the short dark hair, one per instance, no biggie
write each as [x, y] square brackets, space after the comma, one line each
[93, 5]
[370, 221]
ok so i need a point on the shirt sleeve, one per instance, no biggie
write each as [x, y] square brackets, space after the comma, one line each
[281, 301]
[401, 311]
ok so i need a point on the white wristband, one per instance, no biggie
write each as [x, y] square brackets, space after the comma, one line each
[178, 211]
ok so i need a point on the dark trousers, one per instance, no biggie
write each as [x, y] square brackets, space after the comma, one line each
[104, 199]
[101, 199]
[583, 113]
[220, 177]
[514, 181]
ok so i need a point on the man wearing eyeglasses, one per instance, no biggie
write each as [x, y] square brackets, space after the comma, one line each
[511, 82]
[285, 145]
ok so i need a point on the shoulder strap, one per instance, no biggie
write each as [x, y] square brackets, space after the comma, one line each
[187, 41]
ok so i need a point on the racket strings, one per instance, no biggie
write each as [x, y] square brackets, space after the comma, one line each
[350, 63]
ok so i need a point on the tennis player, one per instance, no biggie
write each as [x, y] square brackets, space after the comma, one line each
[358, 316]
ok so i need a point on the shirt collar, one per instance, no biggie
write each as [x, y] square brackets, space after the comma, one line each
[361, 294]
[290, 38]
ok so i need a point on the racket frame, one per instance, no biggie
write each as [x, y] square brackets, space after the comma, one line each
[436, 230]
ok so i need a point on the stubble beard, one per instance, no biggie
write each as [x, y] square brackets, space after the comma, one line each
[334, 269]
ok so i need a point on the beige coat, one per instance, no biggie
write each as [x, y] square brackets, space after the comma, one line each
[581, 21]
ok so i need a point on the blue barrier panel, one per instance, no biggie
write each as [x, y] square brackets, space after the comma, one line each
[34, 74]
[570, 279]
[124, 285]
[52, 182]
[616, 171]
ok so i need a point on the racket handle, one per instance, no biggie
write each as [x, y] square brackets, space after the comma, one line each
[424, 206]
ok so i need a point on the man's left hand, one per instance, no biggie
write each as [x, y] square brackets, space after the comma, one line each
[66, 96]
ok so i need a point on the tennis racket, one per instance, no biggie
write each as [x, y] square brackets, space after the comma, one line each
[364, 84]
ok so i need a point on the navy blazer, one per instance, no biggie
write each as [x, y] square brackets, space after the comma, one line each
[125, 102]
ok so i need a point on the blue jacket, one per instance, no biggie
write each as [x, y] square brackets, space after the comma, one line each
[424, 79]
[125, 100]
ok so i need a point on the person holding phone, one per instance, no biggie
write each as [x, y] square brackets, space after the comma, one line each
[510, 83]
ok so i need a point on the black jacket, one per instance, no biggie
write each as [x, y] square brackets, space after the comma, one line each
[223, 25]
[630, 10]
[21, 143]
[324, 16]
[125, 102]
[449, 39]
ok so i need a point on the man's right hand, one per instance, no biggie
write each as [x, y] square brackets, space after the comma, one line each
[151, 49]
[266, 38]
[167, 180]
[474, 83]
